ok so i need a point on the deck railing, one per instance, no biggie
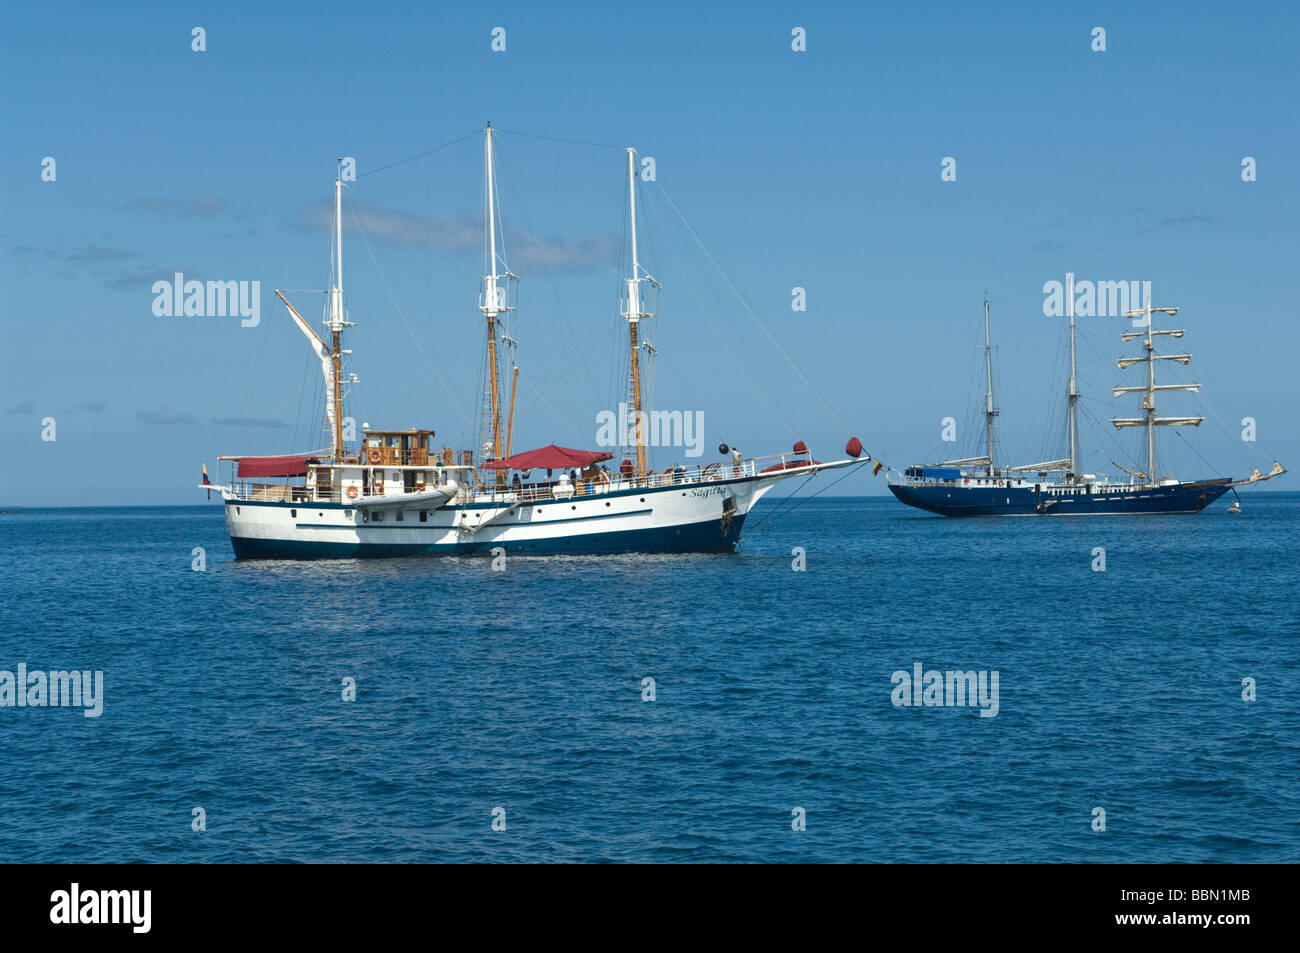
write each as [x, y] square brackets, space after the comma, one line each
[533, 491]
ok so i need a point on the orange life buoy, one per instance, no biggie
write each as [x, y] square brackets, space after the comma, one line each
[374, 455]
[352, 493]
[379, 488]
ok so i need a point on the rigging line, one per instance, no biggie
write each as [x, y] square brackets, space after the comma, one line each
[257, 371]
[419, 155]
[738, 335]
[401, 314]
[663, 355]
[550, 278]
[552, 409]
[782, 505]
[1218, 396]
[776, 411]
[572, 142]
[762, 327]
[1208, 466]
[297, 417]
[1118, 448]
[803, 499]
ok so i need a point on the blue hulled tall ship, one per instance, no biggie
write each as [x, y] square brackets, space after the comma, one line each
[980, 486]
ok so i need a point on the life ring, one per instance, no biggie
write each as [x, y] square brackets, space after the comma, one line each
[374, 455]
[352, 493]
[379, 488]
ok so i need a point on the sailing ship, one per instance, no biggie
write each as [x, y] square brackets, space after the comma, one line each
[397, 493]
[980, 486]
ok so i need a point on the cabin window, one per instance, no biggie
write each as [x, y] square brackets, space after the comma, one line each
[424, 516]
[293, 513]
[379, 517]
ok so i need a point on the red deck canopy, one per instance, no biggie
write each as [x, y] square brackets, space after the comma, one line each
[290, 466]
[549, 458]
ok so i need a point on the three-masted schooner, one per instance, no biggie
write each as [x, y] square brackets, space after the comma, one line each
[398, 494]
[978, 486]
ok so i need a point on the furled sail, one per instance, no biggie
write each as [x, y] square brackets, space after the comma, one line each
[1048, 465]
[1122, 422]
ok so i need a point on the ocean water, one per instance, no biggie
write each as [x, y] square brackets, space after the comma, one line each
[522, 690]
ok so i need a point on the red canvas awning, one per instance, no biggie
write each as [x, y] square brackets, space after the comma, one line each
[290, 466]
[549, 458]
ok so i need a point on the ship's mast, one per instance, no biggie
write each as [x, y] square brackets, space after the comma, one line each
[337, 322]
[493, 306]
[989, 410]
[1073, 392]
[634, 316]
[1150, 419]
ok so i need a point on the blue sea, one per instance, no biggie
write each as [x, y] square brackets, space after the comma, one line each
[522, 690]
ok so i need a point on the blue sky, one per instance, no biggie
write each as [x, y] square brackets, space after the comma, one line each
[817, 169]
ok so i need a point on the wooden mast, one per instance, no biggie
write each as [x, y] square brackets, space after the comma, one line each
[492, 306]
[337, 321]
[634, 316]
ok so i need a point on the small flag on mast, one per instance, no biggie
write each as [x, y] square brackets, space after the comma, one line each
[877, 468]
[206, 481]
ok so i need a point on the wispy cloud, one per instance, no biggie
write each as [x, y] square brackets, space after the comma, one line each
[1175, 221]
[144, 276]
[26, 408]
[97, 255]
[248, 422]
[164, 415]
[463, 233]
[199, 205]
[87, 407]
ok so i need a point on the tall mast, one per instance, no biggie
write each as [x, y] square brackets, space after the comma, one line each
[1149, 401]
[989, 410]
[1150, 420]
[337, 321]
[492, 307]
[1073, 393]
[634, 315]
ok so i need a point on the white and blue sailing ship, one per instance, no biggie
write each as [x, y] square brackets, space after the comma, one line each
[398, 494]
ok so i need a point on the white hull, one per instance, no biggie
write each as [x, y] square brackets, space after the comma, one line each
[691, 517]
